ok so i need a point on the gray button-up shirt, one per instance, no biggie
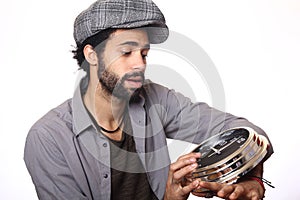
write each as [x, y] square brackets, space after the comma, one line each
[68, 159]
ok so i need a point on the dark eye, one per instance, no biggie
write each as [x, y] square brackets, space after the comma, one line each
[144, 56]
[126, 53]
[144, 53]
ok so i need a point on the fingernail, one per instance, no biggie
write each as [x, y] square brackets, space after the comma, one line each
[192, 166]
[233, 195]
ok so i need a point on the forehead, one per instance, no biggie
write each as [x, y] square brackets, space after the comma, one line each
[135, 37]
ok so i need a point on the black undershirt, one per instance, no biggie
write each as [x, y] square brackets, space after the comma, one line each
[129, 180]
[128, 177]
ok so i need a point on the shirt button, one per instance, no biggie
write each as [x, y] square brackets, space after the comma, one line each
[105, 176]
[105, 145]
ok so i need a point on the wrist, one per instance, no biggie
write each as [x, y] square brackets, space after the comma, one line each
[256, 183]
[258, 180]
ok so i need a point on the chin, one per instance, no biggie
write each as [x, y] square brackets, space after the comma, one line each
[126, 93]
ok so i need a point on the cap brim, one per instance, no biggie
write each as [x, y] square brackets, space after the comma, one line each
[157, 33]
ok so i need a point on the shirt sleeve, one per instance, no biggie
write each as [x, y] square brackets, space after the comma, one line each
[195, 122]
[48, 169]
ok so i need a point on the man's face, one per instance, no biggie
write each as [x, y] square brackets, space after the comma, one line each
[123, 63]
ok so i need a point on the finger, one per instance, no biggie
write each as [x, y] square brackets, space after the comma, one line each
[221, 190]
[174, 167]
[205, 194]
[184, 161]
[187, 159]
[253, 195]
[199, 194]
[212, 186]
[184, 171]
[226, 191]
[193, 154]
[237, 192]
[190, 187]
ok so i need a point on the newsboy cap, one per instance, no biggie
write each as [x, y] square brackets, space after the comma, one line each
[123, 14]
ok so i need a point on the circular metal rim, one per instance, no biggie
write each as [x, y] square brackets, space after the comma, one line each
[247, 153]
[250, 165]
[242, 169]
[252, 133]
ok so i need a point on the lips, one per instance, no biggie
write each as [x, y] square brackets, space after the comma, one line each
[135, 82]
[135, 79]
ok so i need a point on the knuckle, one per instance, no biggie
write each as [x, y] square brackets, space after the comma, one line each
[172, 167]
[176, 176]
[240, 189]
[181, 157]
[254, 196]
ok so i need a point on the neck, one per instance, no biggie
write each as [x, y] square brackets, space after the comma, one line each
[107, 110]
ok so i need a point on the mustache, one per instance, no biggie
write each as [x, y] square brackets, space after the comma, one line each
[133, 74]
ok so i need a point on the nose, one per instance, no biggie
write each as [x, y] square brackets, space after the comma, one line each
[139, 61]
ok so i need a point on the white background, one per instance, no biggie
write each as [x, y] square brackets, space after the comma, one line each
[254, 44]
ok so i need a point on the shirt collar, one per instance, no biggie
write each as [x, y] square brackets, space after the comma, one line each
[81, 119]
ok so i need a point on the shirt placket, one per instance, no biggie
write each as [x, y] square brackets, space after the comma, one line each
[98, 146]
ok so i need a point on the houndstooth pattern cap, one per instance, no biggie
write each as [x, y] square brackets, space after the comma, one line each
[104, 14]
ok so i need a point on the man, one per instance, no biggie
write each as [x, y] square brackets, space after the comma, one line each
[109, 140]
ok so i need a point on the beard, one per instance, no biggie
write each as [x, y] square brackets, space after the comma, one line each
[113, 85]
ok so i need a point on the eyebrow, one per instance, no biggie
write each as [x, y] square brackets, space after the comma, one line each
[135, 44]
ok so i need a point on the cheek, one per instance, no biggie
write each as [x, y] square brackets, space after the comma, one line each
[112, 58]
[119, 67]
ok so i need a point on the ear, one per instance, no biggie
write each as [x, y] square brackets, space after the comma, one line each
[90, 55]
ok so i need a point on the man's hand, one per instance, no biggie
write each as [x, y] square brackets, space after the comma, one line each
[177, 187]
[245, 189]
